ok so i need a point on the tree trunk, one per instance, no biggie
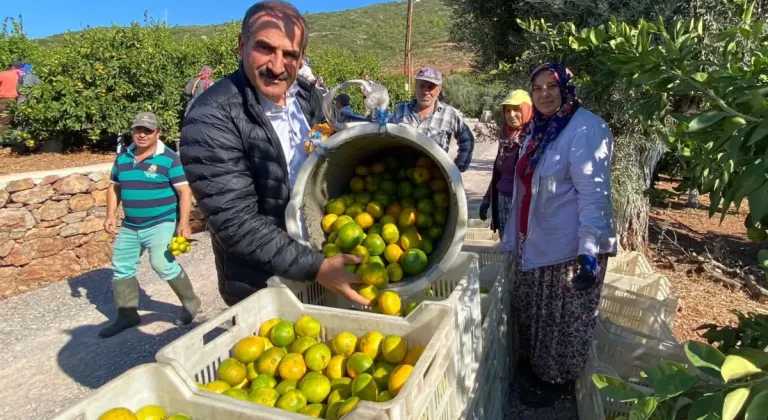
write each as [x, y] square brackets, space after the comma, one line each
[693, 198]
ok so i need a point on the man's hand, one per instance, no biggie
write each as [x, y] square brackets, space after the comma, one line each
[335, 278]
[184, 230]
[110, 225]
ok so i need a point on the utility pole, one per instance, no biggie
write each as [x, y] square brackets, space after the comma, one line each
[407, 65]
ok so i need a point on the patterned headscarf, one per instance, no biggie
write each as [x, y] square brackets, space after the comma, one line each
[205, 75]
[545, 129]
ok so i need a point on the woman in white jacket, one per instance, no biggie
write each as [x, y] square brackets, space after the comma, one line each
[560, 233]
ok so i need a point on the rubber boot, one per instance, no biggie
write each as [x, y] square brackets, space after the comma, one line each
[126, 293]
[190, 303]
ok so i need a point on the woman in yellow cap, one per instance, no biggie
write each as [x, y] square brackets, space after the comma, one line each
[517, 110]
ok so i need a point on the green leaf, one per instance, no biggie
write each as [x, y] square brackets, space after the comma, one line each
[758, 408]
[757, 357]
[734, 402]
[705, 120]
[707, 407]
[747, 16]
[643, 409]
[737, 367]
[758, 203]
[616, 389]
[661, 369]
[759, 133]
[762, 258]
[674, 384]
[700, 77]
[705, 357]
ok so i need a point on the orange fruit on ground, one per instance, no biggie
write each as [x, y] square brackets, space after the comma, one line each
[384, 396]
[393, 252]
[266, 328]
[357, 184]
[331, 250]
[354, 210]
[413, 355]
[381, 372]
[362, 171]
[340, 222]
[264, 396]
[393, 348]
[370, 344]
[378, 168]
[407, 218]
[395, 272]
[361, 252]
[341, 383]
[335, 206]
[249, 349]
[302, 344]
[287, 385]
[270, 360]
[398, 378]
[375, 210]
[292, 401]
[232, 371]
[365, 220]
[389, 303]
[327, 222]
[317, 357]
[337, 367]
[315, 387]
[368, 291]
[358, 364]
[374, 243]
[350, 236]
[376, 275]
[120, 413]
[283, 334]
[264, 380]
[390, 233]
[292, 366]
[306, 326]
[364, 387]
[414, 261]
[344, 344]
[316, 411]
[410, 239]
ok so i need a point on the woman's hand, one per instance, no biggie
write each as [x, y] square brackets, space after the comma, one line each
[588, 270]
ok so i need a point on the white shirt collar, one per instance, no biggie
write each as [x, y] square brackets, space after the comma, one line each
[159, 148]
[269, 106]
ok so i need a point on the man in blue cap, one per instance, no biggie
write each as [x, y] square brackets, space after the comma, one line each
[438, 121]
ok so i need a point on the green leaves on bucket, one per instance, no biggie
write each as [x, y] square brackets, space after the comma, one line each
[734, 402]
[706, 358]
[616, 389]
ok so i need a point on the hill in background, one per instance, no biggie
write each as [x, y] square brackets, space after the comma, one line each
[378, 29]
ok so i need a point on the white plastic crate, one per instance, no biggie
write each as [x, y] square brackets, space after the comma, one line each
[631, 264]
[154, 384]
[654, 286]
[429, 393]
[481, 234]
[489, 390]
[459, 289]
[635, 311]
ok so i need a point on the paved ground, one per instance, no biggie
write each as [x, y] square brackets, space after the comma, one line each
[51, 357]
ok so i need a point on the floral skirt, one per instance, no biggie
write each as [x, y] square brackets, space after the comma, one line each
[555, 322]
[505, 207]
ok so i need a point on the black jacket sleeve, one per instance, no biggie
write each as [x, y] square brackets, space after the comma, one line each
[216, 162]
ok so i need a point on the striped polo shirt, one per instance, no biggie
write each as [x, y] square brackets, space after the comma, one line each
[147, 188]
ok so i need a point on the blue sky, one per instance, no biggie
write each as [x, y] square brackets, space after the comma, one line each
[48, 17]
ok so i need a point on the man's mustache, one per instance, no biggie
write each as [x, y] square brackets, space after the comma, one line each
[267, 73]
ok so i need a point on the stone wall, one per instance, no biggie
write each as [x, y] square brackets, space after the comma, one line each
[52, 229]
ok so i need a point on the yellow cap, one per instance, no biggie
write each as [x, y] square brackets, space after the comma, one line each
[517, 97]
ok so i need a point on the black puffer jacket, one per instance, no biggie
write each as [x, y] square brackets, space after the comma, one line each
[238, 174]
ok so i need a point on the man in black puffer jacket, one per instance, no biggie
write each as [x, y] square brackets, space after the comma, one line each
[242, 145]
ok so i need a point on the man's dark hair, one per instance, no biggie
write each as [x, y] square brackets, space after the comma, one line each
[277, 7]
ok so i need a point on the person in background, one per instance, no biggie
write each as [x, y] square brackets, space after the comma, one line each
[149, 180]
[26, 79]
[243, 146]
[438, 121]
[196, 86]
[560, 233]
[517, 111]
[306, 72]
[9, 80]
[344, 112]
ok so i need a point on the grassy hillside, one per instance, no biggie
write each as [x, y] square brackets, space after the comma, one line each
[377, 29]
